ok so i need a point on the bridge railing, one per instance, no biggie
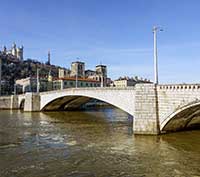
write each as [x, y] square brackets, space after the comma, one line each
[90, 88]
[179, 86]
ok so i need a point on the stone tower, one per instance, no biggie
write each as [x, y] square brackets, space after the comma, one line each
[101, 71]
[14, 49]
[20, 51]
[78, 68]
[4, 49]
[49, 58]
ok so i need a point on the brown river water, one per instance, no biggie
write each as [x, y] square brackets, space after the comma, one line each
[96, 143]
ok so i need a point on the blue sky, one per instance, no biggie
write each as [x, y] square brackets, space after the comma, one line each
[117, 33]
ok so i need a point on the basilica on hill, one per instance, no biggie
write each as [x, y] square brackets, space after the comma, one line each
[15, 51]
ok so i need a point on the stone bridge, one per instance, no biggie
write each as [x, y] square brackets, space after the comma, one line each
[155, 108]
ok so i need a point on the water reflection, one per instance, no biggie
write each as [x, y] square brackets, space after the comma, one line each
[93, 143]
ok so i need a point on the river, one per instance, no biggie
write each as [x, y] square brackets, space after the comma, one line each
[91, 143]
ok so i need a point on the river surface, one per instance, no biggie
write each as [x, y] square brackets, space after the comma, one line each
[91, 143]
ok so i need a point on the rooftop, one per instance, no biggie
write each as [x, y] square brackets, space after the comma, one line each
[78, 62]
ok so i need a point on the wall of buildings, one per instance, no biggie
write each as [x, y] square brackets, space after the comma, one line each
[128, 82]
[30, 85]
[71, 82]
[62, 73]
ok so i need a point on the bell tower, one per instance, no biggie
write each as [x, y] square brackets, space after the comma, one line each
[49, 58]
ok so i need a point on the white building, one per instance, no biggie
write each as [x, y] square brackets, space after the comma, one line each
[128, 82]
[17, 52]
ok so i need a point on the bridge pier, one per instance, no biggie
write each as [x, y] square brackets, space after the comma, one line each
[146, 119]
[14, 102]
[32, 102]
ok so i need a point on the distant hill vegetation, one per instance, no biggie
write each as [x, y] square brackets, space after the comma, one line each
[13, 69]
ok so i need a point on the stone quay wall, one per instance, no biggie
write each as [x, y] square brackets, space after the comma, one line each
[9, 102]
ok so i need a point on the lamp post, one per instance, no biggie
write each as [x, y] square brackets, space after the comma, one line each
[15, 88]
[155, 30]
[38, 81]
[77, 75]
[0, 73]
[101, 80]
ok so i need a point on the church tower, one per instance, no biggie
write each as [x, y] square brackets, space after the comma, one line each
[14, 50]
[4, 50]
[49, 58]
[20, 51]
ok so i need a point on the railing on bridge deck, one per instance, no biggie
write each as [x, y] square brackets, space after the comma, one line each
[178, 86]
[89, 88]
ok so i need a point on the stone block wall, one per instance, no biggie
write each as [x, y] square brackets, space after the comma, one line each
[5, 102]
[146, 113]
[14, 102]
[173, 97]
[9, 102]
[32, 102]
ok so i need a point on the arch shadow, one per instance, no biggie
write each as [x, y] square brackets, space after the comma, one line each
[184, 118]
[76, 102]
[21, 105]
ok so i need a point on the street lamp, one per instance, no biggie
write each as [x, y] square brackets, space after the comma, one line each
[102, 80]
[15, 88]
[76, 75]
[38, 80]
[155, 30]
[0, 73]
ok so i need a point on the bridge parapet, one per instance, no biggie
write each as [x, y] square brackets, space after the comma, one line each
[179, 87]
[174, 97]
[89, 89]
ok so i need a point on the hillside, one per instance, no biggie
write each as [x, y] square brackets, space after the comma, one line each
[13, 69]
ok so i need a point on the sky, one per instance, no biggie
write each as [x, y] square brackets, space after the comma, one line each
[117, 33]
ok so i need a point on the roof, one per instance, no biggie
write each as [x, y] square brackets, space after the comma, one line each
[89, 70]
[78, 62]
[100, 65]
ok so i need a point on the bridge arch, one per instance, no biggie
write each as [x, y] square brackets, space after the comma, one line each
[68, 103]
[76, 97]
[185, 117]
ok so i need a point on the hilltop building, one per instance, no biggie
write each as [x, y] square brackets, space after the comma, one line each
[17, 52]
